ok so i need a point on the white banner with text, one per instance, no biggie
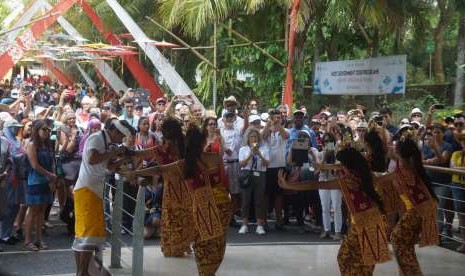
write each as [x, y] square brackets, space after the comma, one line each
[374, 76]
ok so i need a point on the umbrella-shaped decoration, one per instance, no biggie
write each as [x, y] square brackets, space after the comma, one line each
[95, 45]
[126, 36]
[27, 59]
[61, 59]
[46, 56]
[60, 36]
[165, 44]
[103, 58]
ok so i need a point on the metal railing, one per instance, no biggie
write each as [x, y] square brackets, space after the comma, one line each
[114, 211]
[452, 210]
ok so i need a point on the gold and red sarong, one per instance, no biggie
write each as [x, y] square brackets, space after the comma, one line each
[417, 199]
[388, 195]
[368, 225]
[90, 224]
[211, 214]
[391, 202]
[176, 232]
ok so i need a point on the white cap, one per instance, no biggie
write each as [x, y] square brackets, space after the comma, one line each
[404, 121]
[416, 110]
[265, 116]
[253, 118]
[124, 130]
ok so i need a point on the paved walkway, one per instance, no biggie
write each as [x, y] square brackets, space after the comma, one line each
[291, 259]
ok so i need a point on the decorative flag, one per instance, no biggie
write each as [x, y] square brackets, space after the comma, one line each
[287, 96]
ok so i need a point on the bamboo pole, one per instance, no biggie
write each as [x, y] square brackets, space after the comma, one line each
[29, 23]
[229, 46]
[199, 55]
[254, 45]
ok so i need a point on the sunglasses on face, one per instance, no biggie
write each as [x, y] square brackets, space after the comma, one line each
[416, 115]
[212, 124]
[46, 129]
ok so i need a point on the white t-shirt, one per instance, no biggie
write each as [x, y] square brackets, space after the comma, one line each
[325, 175]
[244, 153]
[277, 146]
[232, 140]
[93, 176]
[238, 123]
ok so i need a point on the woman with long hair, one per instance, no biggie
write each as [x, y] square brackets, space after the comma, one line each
[203, 176]
[214, 142]
[41, 182]
[418, 222]
[177, 207]
[254, 156]
[24, 136]
[376, 155]
[155, 126]
[365, 244]
[68, 148]
[330, 197]
[207, 183]
[366, 212]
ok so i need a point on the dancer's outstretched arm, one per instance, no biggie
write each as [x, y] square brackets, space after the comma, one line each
[306, 185]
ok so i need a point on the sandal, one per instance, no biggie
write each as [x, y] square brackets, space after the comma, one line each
[30, 247]
[41, 245]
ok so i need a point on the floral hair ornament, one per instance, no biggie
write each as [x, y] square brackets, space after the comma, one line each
[408, 134]
[347, 141]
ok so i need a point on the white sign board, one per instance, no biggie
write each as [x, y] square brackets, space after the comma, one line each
[374, 76]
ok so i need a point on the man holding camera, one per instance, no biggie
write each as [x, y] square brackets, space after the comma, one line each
[276, 136]
[88, 192]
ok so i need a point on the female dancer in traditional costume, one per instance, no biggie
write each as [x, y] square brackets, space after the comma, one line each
[365, 244]
[177, 205]
[202, 175]
[418, 222]
[376, 155]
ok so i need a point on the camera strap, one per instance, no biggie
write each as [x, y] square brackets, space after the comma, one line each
[104, 139]
[254, 163]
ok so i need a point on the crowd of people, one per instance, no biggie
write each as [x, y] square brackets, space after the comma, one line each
[45, 128]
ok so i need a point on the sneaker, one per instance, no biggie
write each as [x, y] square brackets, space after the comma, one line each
[244, 229]
[324, 235]
[260, 230]
[337, 236]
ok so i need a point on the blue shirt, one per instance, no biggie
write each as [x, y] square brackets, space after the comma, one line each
[294, 133]
[428, 153]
